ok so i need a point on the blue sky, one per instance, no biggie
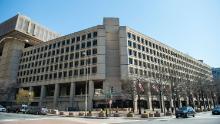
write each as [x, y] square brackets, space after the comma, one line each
[190, 26]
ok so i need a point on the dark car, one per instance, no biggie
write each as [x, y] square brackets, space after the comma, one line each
[17, 108]
[185, 112]
[216, 110]
[37, 110]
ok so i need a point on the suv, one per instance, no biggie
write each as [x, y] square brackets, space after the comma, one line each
[185, 112]
[216, 110]
[37, 110]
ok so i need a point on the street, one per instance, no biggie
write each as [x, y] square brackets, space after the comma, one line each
[11, 118]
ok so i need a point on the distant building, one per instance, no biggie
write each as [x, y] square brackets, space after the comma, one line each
[103, 56]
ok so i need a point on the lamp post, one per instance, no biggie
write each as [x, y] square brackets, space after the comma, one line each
[87, 78]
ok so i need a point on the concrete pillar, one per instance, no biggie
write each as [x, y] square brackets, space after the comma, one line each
[10, 60]
[42, 94]
[72, 93]
[90, 95]
[56, 95]
[135, 104]
[149, 98]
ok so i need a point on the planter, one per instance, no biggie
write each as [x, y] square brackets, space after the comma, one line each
[81, 113]
[145, 115]
[89, 114]
[71, 114]
[168, 114]
[101, 114]
[157, 114]
[130, 114]
[61, 113]
[116, 114]
[151, 115]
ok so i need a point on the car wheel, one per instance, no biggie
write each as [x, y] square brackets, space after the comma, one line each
[177, 116]
[186, 115]
[193, 115]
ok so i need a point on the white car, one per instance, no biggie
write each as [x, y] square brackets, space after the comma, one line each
[2, 109]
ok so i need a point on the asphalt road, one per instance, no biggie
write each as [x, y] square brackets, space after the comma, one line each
[200, 118]
[11, 118]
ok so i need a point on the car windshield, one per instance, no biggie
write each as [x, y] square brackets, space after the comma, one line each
[183, 108]
[217, 108]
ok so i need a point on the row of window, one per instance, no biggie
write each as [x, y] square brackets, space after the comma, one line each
[155, 74]
[143, 64]
[58, 75]
[55, 67]
[139, 40]
[144, 49]
[61, 58]
[67, 49]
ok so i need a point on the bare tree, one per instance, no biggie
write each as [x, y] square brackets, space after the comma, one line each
[132, 87]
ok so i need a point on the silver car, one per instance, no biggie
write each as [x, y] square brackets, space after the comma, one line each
[2, 109]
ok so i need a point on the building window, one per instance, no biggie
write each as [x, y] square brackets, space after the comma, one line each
[82, 54]
[129, 35]
[63, 42]
[75, 72]
[89, 44]
[130, 61]
[89, 35]
[76, 63]
[88, 52]
[60, 74]
[77, 55]
[77, 47]
[95, 34]
[129, 43]
[77, 38]
[71, 56]
[94, 43]
[94, 51]
[81, 71]
[83, 45]
[64, 74]
[70, 73]
[94, 60]
[72, 48]
[83, 37]
[82, 62]
[94, 70]
[66, 65]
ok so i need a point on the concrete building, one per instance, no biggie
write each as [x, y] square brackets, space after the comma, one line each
[92, 65]
[16, 34]
[216, 79]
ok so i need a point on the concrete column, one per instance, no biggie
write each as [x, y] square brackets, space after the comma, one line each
[135, 103]
[42, 94]
[72, 93]
[149, 98]
[10, 60]
[56, 95]
[90, 95]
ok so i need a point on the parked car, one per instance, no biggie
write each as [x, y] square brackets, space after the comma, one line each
[37, 110]
[2, 109]
[216, 110]
[17, 108]
[185, 112]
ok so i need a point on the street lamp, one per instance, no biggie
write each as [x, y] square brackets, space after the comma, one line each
[87, 78]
